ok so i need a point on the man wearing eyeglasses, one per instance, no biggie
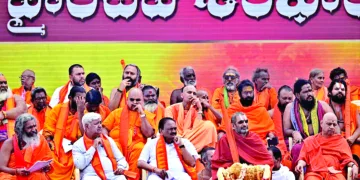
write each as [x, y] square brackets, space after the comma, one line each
[40, 107]
[130, 126]
[226, 94]
[241, 146]
[27, 79]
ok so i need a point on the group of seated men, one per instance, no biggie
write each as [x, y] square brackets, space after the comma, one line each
[78, 127]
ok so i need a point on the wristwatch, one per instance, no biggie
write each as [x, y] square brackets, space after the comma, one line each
[120, 91]
[181, 146]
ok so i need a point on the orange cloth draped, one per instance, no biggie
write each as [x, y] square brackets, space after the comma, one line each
[354, 92]
[219, 95]
[209, 115]
[260, 121]
[354, 110]
[95, 162]
[320, 153]
[106, 100]
[64, 90]
[62, 124]
[162, 161]
[10, 104]
[267, 97]
[158, 115]
[25, 158]
[251, 150]
[27, 99]
[124, 95]
[104, 111]
[40, 116]
[125, 128]
[200, 133]
[321, 94]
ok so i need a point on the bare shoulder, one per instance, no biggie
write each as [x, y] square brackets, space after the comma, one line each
[8, 145]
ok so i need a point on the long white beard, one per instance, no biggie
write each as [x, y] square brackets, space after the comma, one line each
[230, 87]
[4, 95]
[31, 141]
[151, 107]
[190, 82]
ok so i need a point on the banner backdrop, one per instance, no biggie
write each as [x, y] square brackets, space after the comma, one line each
[160, 62]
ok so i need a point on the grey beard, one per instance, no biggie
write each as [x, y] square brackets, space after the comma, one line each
[31, 141]
[230, 87]
[191, 82]
[151, 107]
[3, 95]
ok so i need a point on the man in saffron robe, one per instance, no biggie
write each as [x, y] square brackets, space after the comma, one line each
[93, 80]
[264, 92]
[326, 154]
[209, 112]
[169, 155]
[130, 127]
[188, 116]
[23, 150]
[76, 78]
[152, 105]
[302, 117]
[260, 121]
[131, 78]
[206, 156]
[96, 154]
[348, 120]
[27, 84]
[62, 126]
[316, 79]
[39, 106]
[187, 77]
[240, 145]
[340, 73]
[285, 96]
[11, 106]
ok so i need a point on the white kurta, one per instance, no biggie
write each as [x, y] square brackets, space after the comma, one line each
[283, 174]
[55, 98]
[82, 160]
[176, 169]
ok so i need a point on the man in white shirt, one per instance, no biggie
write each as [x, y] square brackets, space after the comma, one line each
[168, 155]
[279, 172]
[76, 78]
[95, 154]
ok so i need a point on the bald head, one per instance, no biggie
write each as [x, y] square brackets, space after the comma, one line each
[135, 98]
[27, 79]
[189, 93]
[329, 124]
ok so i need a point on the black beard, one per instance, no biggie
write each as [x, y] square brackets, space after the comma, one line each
[133, 82]
[73, 105]
[339, 100]
[247, 101]
[308, 105]
[77, 84]
[282, 107]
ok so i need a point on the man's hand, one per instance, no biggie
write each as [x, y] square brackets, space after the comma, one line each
[355, 171]
[178, 141]
[161, 173]
[299, 167]
[297, 137]
[271, 135]
[22, 172]
[196, 103]
[51, 145]
[267, 85]
[46, 169]
[119, 171]
[350, 140]
[80, 103]
[97, 142]
[124, 83]
[139, 109]
[205, 103]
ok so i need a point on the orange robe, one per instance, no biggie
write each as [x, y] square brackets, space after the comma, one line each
[62, 124]
[260, 121]
[354, 92]
[267, 97]
[19, 91]
[106, 100]
[209, 115]
[248, 150]
[104, 111]
[321, 94]
[40, 116]
[354, 109]
[125, 128]
[64, 90]
[157, 115]
[320, 152]
[200, 133]
[219, 95]
[25, 158]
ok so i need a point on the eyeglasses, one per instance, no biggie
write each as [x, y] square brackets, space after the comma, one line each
[230, 77]
[40, 98]
[25, 77]
[132, 99]
[243, 121]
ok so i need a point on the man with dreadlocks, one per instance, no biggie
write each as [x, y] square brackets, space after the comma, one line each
[302, 117]
[23, 150]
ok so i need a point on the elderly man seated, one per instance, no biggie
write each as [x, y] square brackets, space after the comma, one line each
[326, 154]
[168, 155]
[96, 154]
